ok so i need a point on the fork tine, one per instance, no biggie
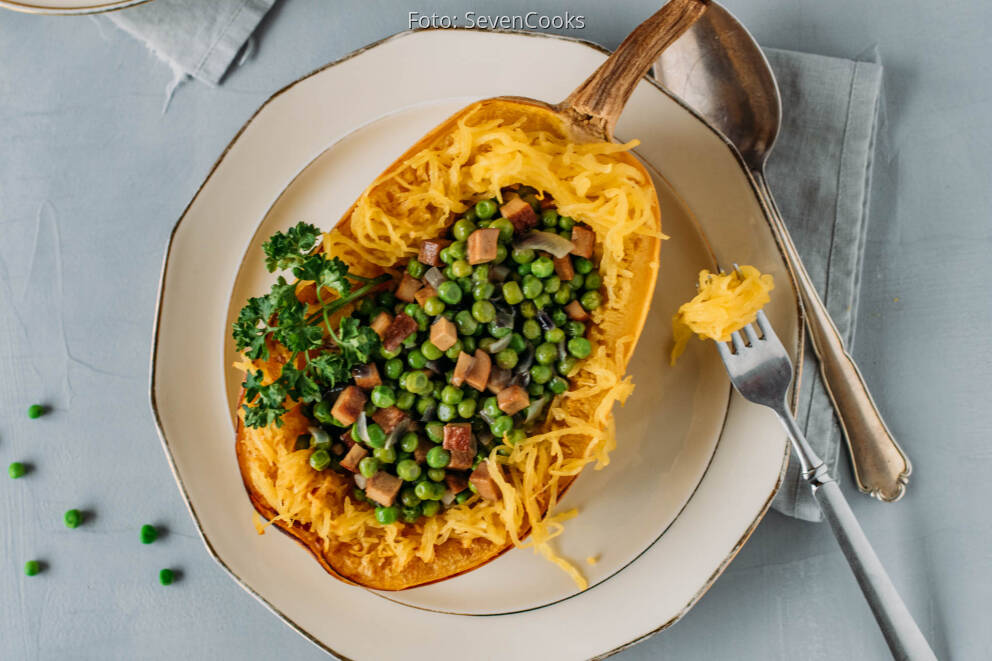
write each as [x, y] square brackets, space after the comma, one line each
[738, 342]
[766, 328]
[723, 350]
[752, 337]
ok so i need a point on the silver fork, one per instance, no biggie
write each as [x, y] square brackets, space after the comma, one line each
[761, 371]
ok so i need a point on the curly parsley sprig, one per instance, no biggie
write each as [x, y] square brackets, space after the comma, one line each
[281, 316]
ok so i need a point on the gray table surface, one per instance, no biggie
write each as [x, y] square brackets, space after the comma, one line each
[93, 175]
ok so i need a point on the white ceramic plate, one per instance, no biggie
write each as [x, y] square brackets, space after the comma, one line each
[692, 474]
[68, 6]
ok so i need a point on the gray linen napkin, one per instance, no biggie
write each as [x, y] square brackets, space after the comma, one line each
[820, 174]
[198, 38]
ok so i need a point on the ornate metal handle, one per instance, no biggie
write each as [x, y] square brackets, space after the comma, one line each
[881, 468]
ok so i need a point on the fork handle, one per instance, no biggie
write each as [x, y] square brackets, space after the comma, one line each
[881, 468]
[900, 630]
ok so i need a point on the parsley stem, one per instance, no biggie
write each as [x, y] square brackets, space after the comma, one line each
[333, 306]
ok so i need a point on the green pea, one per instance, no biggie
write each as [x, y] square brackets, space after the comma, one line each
[549, 217]
[563, 296]
[462, 229]
[408, 496]
[463, 496]
[579, 347]
[358, 495]
[451, 395]
[416, 359]
[386, 515]
[522, 255]
[483, 291]
[410, 514]
[430, 508]
[483, 311]
[425, 403]
[408, 470]
[594, 281]
[320, 459]
[518, 343]
[393, 368]
[322, 411]
[383, 396]
[505, 228]
[501, 254]
[582, 265]
[385, 455]
[485, 209]
[437, 387]
[416, 268]
[557, 385]
[566, 366]
[16, 470]
[438, 457]
[467, 325]
[449, 273]
[446, 256]
[72, 518]
[148, 534]
[575, 328]
[546, 353]
[434, 306]
[507, 358]
[302, 442]
[542, 301]
[532, 286]
[377, 437]
[559, 317]
[450, 292]
[470, 344]
[552, 285]
[540, 374]
[554, 336]
[461, 268]
[454, 350]
[566, 223]
[591, 300]
[542, 267]
[466, 408]
[447, 412]
[368, 466]
[470, 215]
[430, 351]
[458, 250]
[531, 329]
[32, 568]
[577, 281]
[516, 436]
[423, 321]
[434, 431]
[418, 383]
[428, 490]
[501, 426]
[35, 411]
[405, 400]
[386, 299]
[409, 442]
[367, 308]
[490, 407]
[410, 341]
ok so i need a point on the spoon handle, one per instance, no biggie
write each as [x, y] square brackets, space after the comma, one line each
[597, 103]
[881, 468]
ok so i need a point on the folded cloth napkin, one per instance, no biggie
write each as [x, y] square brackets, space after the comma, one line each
[820, 174]
[198, 38]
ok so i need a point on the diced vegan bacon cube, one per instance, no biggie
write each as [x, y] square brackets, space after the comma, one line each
[575, 311]
[383, 487]
[564, 269]
[366, 376]
[584, 239]
[513, 399]
[355, 454]
[348, 405]
[483, 244]
[456, 482]
[424, 293]
[420, 454]
[462, 368]
[458, 436]
[484, 482]
[430, 251]
[381, 323]
[409, 286]
[398, 330]
[478, 373]
[346, 437]
[461, 460]
[444, 334]
[498, 378]
[389, 418]
[520, 213]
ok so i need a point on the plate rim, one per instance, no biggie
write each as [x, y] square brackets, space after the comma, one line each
[797, 364]
[32, 8]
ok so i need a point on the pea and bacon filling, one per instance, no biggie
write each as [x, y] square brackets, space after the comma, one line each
[425, 376]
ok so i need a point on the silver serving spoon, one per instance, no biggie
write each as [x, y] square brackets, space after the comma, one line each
[718, 70]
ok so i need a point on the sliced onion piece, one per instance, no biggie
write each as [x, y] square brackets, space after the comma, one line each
[545, 320]
[362, 428]
[533, 412]
[394, 435]
[505, 316]
[555, 244]
[434, 277]
[501, 343]
[360, 480]
[320, 437]
[524, 361]
[447, 498]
